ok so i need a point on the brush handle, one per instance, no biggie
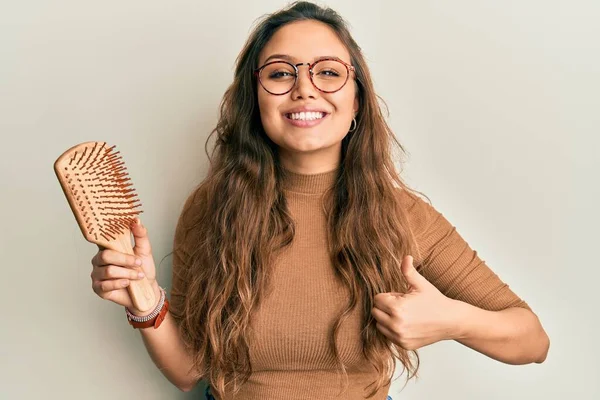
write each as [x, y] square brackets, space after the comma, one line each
[140, 290]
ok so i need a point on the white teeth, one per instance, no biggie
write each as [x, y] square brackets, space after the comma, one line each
[306, 116]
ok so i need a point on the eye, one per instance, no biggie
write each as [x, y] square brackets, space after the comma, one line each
[279, 74]
[328, 72]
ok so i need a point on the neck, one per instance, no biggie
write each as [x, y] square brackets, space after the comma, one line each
[309, 183]
[311, 164]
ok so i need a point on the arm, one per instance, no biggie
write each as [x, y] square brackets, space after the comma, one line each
[487, 316]
[165, 344]
[168, 352]
[512, 336]
[423, 315]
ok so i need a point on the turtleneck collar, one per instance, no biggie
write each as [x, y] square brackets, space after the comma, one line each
[309, 183]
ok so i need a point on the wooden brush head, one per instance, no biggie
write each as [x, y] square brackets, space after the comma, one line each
[95, 181]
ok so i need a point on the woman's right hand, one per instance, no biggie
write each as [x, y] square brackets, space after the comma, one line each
[112, 270]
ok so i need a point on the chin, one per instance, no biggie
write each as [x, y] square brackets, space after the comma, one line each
[308, 146]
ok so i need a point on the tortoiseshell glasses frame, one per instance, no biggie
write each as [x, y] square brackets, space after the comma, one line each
[349, 68]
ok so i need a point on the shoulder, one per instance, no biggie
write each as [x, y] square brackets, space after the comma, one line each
[190, 213]
[192, 206]
[420, 214]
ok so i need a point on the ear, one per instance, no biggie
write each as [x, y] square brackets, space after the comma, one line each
[355, 107]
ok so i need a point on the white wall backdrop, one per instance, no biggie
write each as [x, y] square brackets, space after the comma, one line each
[496, 102]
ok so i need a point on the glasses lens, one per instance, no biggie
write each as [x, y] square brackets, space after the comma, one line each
[329, 75]
[278, 77]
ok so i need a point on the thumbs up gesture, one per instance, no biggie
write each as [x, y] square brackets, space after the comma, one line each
[420, 317]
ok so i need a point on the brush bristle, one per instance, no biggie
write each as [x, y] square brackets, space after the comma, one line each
[101, 189]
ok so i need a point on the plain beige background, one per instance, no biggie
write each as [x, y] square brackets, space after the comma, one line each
[496, 102]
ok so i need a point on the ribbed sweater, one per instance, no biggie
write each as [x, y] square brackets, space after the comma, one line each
[289, 349]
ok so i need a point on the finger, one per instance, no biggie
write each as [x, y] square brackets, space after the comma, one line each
[112, 257]
[381, 316]
[142, 242]
[116, 272]
[386, 302]
[386, 332]
[103, 288]
[397, 294]
[412, 276]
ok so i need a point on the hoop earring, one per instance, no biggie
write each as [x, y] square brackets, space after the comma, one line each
[355, 125]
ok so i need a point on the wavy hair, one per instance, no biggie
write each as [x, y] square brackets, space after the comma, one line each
[238, 220]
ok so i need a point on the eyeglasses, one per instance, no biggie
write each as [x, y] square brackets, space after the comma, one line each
[328, 75]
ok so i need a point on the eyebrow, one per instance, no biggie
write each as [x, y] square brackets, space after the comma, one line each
[291, 59]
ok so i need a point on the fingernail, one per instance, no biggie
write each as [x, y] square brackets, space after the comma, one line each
[138, 221]
[140, 275]
[124, 283]
[138, 261]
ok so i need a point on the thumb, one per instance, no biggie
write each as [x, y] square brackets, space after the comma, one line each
[412, 276]
[140, 235]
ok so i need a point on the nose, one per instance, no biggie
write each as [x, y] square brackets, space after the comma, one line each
[303, 88]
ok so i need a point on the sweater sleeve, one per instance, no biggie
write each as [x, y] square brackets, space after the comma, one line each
[449, 263]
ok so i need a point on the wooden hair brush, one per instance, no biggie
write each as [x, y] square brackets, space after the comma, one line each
[95, 181]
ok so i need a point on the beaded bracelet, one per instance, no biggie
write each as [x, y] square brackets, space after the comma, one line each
[152, 319]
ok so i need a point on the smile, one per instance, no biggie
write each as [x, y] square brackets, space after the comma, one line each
[306, 116]
[305, 119]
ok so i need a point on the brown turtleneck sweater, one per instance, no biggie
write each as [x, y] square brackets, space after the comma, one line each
[290, 354]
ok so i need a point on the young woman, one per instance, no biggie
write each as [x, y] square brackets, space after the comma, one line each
[303, 266]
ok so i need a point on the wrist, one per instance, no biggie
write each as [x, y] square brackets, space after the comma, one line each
[157, 294]
[155, 318]
[461, 314]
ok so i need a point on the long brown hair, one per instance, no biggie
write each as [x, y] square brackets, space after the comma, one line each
[238, 220]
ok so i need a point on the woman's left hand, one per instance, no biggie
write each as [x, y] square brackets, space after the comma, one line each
[420, 317]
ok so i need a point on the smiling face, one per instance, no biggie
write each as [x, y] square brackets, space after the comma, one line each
[310, 142]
